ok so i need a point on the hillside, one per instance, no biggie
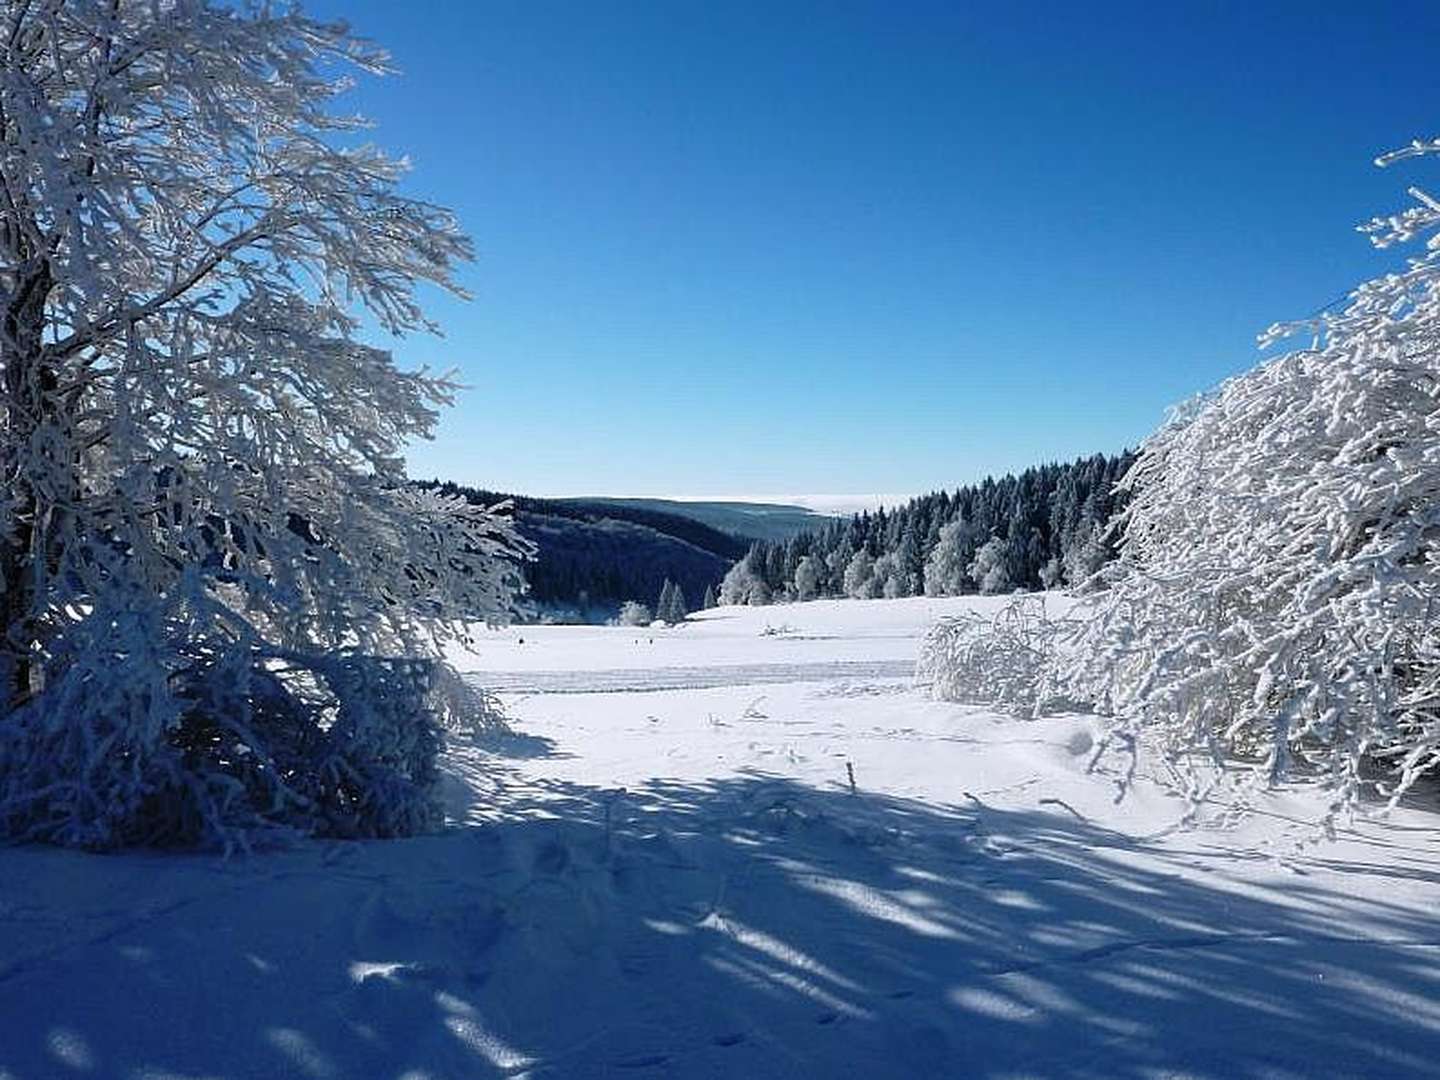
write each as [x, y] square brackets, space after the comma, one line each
[592, 555]
[751, 521]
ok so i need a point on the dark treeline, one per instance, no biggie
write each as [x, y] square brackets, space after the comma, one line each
[1041, 529]
[592, 557]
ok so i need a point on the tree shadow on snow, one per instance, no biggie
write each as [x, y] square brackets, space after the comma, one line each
[750, 926]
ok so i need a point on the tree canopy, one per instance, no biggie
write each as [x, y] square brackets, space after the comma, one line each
[203, 509]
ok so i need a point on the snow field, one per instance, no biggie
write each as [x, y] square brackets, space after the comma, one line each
[652, 880]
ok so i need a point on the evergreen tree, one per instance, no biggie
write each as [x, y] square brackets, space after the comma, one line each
[671, 606]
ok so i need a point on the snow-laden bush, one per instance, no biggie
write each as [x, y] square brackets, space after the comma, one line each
[1007, 660]
[1281, 597]
[634, 613]
[206, 536]
[1277, 599]
[237, 745]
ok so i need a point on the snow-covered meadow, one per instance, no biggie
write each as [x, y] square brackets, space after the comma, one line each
[664, 871]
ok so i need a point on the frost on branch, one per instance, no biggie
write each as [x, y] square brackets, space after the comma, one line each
[208, 548]
[1280, 594]
[1277, 599]
[1008, 660]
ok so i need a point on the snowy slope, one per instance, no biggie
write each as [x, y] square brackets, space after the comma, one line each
[665, 873]
[751, 519]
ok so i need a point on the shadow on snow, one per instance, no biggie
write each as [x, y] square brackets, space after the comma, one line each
[749, 926]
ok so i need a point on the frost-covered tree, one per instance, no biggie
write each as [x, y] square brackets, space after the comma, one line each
[990, 569]
[204, 525]
[1282, 547]
[665, 603]
[910, 564]
[891, 580]
[1277, 598]
[672, 608]
[709, 600]
[1085, 553]
[946, 568]
[860, 576]
[734, 586]
[809, 572]
[634, 613]
[836, 563]
[745, 583]
[1052, 573]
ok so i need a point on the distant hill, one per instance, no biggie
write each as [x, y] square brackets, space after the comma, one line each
[750, 521]
[594, 554]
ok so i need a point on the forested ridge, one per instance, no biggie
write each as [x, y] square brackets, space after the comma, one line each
[592, 557]
[1040, 529]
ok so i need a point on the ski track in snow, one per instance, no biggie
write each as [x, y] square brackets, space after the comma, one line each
[665, 872]
[631, 680]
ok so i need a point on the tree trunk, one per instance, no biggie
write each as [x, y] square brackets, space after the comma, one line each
[28, 387]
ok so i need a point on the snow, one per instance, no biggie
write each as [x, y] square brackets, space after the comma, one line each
[664, 872]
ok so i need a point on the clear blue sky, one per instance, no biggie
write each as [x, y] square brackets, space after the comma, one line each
[888, 247]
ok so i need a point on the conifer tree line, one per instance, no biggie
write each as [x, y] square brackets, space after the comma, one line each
[671, 606]
[1042, 529]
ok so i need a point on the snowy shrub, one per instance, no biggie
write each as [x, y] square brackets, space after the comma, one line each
[208, 547]
[1006, 661]
[633, 613]
[247, 745]
[1279, 591]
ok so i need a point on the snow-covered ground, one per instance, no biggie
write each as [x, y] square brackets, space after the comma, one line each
[665, 872]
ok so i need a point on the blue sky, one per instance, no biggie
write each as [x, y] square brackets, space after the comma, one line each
[884, 247]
